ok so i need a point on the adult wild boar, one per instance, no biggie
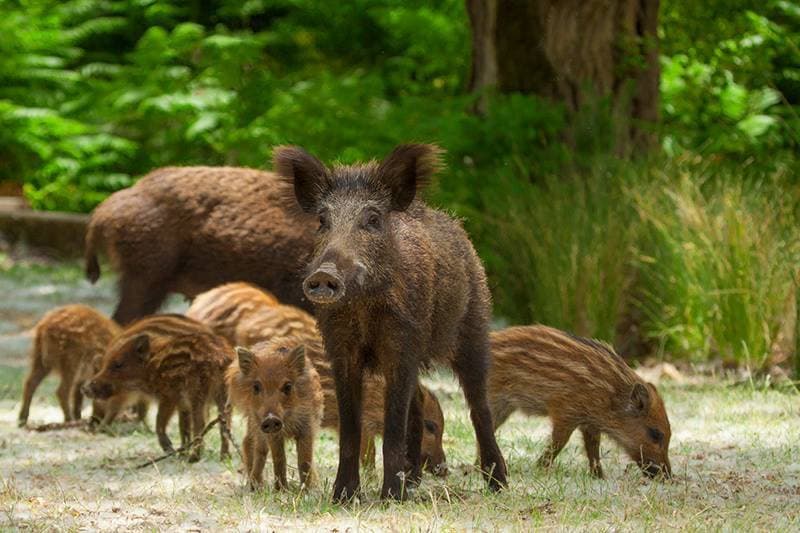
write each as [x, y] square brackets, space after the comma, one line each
[395, 284]
[189, 229]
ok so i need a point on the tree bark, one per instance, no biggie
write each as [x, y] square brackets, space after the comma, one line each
[575, 52]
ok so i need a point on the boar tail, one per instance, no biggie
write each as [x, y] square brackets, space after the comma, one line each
[90, 255]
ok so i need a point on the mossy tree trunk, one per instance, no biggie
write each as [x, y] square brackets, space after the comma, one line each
[574, 52]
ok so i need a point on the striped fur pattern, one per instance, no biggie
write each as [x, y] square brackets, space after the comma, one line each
[67, 340]
[223, 308]
[277, 388]
[276, 322]
[178, 361]
[579, 384]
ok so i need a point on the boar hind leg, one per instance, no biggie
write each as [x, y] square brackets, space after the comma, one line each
[77, 401]
[37, 374]
[368, 450]
[561, 434]
[139, 296]
[64, 393]
[305, 459]
[166, 408]
[471, 366]
[414, 437]
[591, 441]
[185, 427]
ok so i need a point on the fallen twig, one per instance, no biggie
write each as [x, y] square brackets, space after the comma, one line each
[53, 426]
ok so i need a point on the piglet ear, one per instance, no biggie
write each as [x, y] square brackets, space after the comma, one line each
[141, 346]
[246, 359]
[640, 399]
[297, 359]
[407, 170]
[308, 175]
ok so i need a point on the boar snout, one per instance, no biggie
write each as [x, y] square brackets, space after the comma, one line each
[325, 285]
[438, 469]
[98, 390]
[271, 424]
[656, 470]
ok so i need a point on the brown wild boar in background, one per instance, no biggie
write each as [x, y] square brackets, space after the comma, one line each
[176, 360]
[277, 389]
[264, 321]
[68, 340]
[579, 383]
[223, 308]
[394, 284]
[189, 229]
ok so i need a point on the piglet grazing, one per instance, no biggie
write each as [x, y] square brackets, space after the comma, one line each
[277, 389]
[580, 384]
[70, 340]
[176, 360]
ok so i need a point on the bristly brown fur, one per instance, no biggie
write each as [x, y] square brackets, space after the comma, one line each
[579, 384]
[278, 384]
[396, 284]
[178, 361]
[189, 229]
[223, 308]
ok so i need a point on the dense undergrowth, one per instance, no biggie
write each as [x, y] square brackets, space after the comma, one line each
[693, 244]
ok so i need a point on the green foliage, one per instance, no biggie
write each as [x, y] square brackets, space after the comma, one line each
[717, 260]
[94, 93]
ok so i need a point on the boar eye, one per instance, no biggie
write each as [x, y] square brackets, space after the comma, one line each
[372, 221]
[655, 435]
[431, 426]
[256, 387]
[323, 222]
[117, 365]
[287, 388]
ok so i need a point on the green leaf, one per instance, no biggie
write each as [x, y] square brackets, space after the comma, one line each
[756, 125]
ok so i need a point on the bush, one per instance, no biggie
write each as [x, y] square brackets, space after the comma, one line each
[717, 260]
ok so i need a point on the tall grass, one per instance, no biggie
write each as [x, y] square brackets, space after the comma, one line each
[562, 253]
[716, 259]
[703, 256]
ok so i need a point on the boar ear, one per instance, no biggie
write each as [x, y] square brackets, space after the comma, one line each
[141, 346]
[407, 170]
[640, 399]
[297, 359]
[304, 171]
[246, 359]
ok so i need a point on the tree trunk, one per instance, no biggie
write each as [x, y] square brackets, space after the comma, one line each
[574, 52]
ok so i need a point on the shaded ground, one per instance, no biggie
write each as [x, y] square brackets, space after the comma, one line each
[734, 449]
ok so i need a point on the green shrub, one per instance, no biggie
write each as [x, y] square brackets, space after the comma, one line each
[716, 260]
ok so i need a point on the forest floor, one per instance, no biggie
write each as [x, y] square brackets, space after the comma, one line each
[734, 452]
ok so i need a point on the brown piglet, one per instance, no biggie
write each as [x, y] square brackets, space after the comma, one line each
[176, 360]
[263, 321]
[579, 384]
[277, 389]
[70, 340]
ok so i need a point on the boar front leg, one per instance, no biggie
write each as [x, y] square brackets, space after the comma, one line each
[414, 437]
[166, 408]
[305, 458]
[591, 442]
[258, 458]
[348, 375]
[276, 446]
[401, 383]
